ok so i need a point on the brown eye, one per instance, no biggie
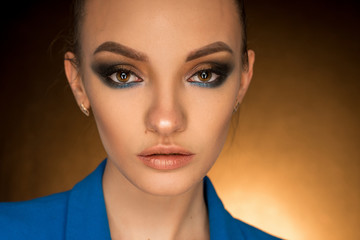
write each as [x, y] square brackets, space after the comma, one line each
[204, 75]
[123, 76]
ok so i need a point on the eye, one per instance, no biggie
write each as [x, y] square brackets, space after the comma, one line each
[211, 74]
[204, 76]
[123, 76]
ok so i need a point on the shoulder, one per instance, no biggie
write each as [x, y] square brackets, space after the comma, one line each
[43, 218]
[249, 232]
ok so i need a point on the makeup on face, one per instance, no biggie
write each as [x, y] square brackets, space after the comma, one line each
[171, 70]
[208, 74]
[119, 75]
[165, 157]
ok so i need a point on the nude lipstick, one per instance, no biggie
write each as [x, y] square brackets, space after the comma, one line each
[162, 157]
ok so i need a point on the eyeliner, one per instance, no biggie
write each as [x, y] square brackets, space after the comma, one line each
[221, 69]
[104, 70]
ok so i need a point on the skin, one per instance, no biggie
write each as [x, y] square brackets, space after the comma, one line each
[163, 109]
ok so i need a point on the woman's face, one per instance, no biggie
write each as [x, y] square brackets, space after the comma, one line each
[163, 75]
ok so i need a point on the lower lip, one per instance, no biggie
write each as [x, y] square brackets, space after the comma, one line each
[166, 162]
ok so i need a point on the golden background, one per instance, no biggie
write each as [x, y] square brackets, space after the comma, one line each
[293, 167]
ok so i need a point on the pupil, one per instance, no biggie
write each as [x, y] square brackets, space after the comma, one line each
[123, 75]
[204, 75]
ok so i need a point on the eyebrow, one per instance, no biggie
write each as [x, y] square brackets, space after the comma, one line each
[139, 56]
[122, 50]
[209, 49]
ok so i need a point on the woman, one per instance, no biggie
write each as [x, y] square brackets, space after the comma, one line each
[162, 79]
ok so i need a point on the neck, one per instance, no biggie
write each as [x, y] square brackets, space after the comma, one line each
[135, 214]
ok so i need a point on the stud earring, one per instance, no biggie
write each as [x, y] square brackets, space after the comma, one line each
[84, 110]
[236, 107]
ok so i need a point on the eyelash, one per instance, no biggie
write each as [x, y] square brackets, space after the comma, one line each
[107, 73]
[221, 71]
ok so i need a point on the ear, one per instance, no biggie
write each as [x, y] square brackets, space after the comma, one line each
[74, 78]
[246, 76]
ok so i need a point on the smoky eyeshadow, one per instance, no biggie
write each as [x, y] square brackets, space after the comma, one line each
[104, 70]
[221, 69]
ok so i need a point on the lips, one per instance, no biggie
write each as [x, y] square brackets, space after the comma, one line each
[162, 157]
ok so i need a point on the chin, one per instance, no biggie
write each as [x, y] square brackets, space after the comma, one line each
[163, 182]
[170, 183]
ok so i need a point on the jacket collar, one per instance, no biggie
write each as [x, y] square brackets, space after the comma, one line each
[222, 225]
[87, 218]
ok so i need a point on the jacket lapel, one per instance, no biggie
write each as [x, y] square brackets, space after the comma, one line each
[222, 224]
[86, 216]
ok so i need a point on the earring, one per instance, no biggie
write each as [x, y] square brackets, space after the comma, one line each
[84, 110]
[236, 107]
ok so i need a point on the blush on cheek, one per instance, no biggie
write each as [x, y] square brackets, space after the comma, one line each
[108, 136]
[223, 132]
[109, 127]
[215, 132]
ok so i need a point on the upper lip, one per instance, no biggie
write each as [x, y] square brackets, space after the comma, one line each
[165, 150]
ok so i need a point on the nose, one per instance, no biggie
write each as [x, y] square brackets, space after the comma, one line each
[166, 115]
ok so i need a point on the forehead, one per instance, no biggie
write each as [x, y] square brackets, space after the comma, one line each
[156, 25]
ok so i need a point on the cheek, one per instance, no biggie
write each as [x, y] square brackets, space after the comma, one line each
[210, 118]
[208, 128]
[118, 121]
[214, 126]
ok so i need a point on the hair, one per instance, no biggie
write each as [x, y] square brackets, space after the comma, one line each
[72, 41]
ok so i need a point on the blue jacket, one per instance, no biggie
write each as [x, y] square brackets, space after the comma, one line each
[80, 214]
